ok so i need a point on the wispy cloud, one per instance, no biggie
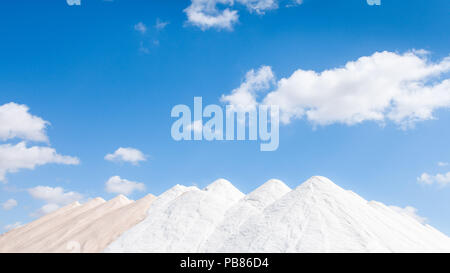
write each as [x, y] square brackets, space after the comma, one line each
[143, 49]
[244, 97]
[160, 25]
[411, 212]
[140, 27]
[440, 179]
[129, 154]
[10, 204]
[73, 2]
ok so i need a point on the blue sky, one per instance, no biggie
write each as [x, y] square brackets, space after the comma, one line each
[103, 83]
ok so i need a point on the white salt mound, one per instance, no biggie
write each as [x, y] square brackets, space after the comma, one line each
[182, 222]
[317, 216]
[252, 204]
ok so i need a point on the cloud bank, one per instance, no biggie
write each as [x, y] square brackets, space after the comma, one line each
[385, 86]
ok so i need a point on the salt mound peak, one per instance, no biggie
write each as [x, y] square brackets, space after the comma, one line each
[121, 199]
[176, 190]
[180, 220]
[218, 185]
[267, 193]
[177, 187]
[223, 187]
[251, 205]
[319, 183]
[170, 195]
[146, 198]
[94, 201]
[72, 205]
[270, 185]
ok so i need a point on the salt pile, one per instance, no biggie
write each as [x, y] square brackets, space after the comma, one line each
[182, 222]
[78, 228]
[317, 216]
[252, 204]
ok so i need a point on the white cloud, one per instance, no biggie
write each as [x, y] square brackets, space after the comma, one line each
[10, 204]
[73, 2]
[17, 122]
[207, 14]
[259, 6]
[160, 24]
[116, 184]
[12, 226]
[386, 86]
[410, 211]
[19, 156]
[243, 98]
[425, 179]
[53, 197]
[442, 164]
[140, 27]
[440, 179]
[126, 155]
[294, 3]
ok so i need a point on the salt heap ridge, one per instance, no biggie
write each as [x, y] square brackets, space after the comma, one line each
[317, 216]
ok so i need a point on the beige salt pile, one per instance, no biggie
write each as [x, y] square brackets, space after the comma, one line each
[78, 228]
